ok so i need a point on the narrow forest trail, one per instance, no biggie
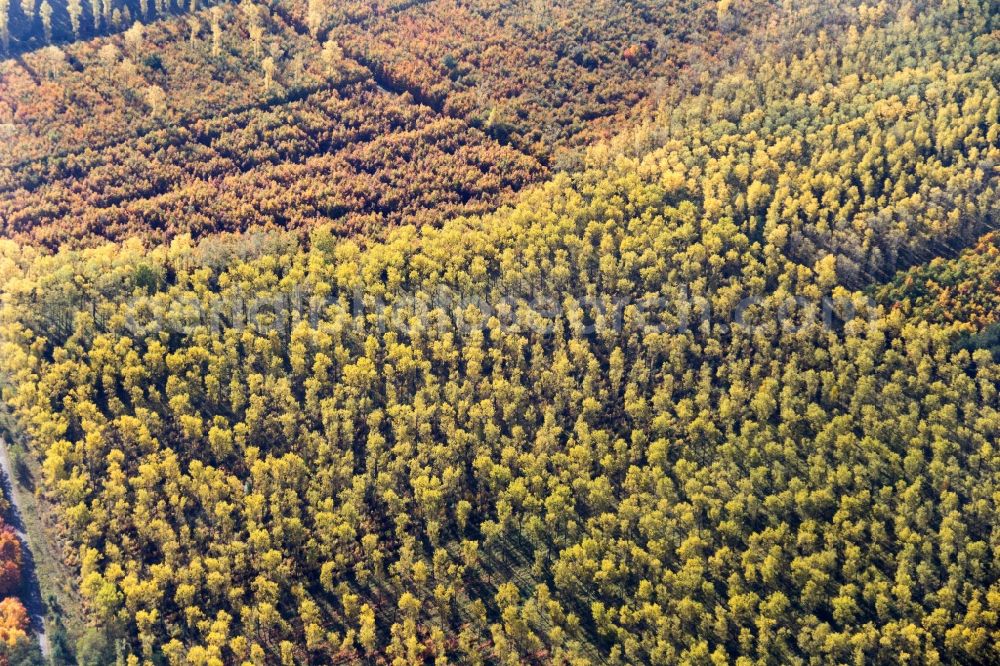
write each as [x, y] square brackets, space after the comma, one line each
[32, 593]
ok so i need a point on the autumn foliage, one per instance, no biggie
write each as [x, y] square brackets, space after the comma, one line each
[542, 75]
[964, 289]
[13, 621]
[392, 113]
[13, 616]
[10, 561]
[723, 393]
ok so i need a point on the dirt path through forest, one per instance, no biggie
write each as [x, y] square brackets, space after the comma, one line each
[32, 595]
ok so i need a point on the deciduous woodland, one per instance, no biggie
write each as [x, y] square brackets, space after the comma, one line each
[541, 333]
[201, 124]
[13, 617]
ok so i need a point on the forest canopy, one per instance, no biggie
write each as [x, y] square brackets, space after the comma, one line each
[722, 389]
